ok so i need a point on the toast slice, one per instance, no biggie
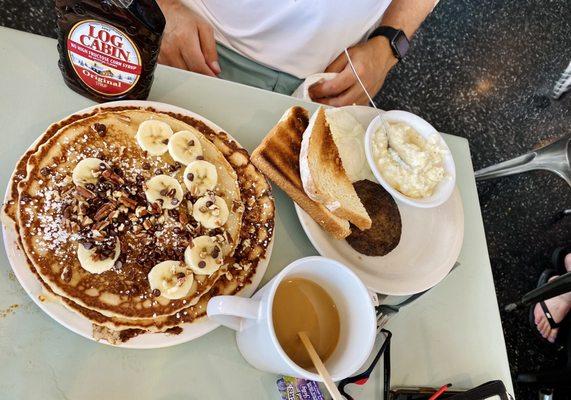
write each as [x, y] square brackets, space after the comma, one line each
[325, 176]
[278, 158]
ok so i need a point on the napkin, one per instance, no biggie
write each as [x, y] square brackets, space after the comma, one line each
[302, 91]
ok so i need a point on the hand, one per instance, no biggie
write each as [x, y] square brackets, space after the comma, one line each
[372, 60]
[188, 40]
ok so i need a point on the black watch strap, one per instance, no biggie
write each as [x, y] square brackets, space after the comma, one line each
[397, 39]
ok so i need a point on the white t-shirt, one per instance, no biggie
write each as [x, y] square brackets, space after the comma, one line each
[300, 37]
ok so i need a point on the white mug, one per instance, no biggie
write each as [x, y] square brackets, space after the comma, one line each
[255, 335]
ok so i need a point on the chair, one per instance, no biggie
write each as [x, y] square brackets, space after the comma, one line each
[555, 157]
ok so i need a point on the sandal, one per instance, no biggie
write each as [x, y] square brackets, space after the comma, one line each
[543, 280]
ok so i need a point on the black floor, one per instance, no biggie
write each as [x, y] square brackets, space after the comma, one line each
[481, 69]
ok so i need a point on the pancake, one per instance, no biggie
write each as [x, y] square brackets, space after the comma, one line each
[385, 232]
[51, 240]
[255, 237]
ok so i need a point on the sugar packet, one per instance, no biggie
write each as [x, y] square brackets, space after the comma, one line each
[298, 389]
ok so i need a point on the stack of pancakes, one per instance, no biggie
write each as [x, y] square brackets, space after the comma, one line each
[114, 220]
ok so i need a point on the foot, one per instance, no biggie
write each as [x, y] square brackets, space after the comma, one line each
[558, 307]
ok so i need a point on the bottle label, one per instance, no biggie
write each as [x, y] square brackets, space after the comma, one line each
[103, 57]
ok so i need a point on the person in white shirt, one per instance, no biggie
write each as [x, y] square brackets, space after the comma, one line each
[276, 44]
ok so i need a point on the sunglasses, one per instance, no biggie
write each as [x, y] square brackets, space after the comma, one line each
[363, 377]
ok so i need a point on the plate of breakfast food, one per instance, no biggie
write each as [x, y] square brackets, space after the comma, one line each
[123, 219]
[375, 193]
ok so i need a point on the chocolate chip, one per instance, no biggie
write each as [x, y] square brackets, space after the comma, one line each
[201, 264]
[146, 166]
[139, 179]
[191, 143]
[215, 252]
[118, 264]
[165, 141]
[177, 230]
[188, 196]
[190, 176]
[45, 171]
[158, 171]
[90, 186]
[87, 245]
[174, 202]
[164, 192]
[200, 158]
[209, 203]
[180, 275]
[216, 231]
[156, 292]
[102, 166]
[100, 129]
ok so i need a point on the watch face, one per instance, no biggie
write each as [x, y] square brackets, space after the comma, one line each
[400, 44]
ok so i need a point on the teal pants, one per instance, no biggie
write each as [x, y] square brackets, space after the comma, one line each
[238, 68]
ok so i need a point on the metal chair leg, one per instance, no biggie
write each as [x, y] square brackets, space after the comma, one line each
[555, 157]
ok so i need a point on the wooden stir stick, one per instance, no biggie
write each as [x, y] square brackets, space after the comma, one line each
[333, 391]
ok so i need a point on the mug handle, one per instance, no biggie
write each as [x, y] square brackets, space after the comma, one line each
[230, 311]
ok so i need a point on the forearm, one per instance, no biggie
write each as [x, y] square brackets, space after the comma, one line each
[407, 15]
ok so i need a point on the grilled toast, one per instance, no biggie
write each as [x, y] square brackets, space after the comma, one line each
[324, 177]
[278, 158]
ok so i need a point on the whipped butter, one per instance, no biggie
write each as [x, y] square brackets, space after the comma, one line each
[349, 137]
[410, 163]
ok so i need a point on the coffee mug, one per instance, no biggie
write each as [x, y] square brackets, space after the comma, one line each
[251, 318]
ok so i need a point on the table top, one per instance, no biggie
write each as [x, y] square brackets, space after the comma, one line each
[451, 334]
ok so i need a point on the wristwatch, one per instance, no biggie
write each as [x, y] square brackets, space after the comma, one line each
[397, 38]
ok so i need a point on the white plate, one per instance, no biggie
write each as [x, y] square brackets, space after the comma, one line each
[76, 322]
[430, 242]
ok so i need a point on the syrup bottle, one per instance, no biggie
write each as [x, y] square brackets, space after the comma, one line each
[108, 48]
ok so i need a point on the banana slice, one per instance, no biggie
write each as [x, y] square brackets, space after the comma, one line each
[87, 171]
[210, 211]
[153, 136]
[90, 262]
[203, 256]
[172, 279]
[184, 147]
[200, 176]
[165, 188]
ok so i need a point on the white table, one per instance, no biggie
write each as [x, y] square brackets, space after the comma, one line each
[451, 334]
